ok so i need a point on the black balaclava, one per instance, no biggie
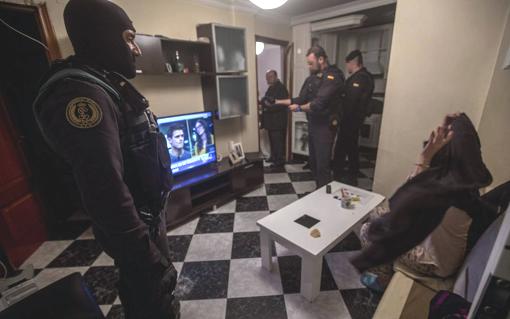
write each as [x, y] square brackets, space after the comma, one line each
[95, 29]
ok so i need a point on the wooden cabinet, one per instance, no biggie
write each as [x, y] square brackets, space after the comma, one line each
[212, 186]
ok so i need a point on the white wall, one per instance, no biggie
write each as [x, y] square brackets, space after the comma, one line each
[494, 128]
[442, 60]
[269, 59]
[178, 19]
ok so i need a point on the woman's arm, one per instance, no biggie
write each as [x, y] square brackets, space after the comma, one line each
[439, 137]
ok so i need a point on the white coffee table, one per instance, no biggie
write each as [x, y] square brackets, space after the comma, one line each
[335, 223]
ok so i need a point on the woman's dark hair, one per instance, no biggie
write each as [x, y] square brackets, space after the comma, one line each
[200, 143]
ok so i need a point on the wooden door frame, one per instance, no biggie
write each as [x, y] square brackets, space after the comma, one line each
[40, 13]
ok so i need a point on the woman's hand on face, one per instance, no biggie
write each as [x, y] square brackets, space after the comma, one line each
[438, 139]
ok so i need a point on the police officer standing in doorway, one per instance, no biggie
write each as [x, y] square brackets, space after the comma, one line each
[322, 109]
[92, 117]
[275, 117]
[358, 93]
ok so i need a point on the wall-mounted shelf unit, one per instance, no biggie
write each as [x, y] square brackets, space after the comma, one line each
[220, 60]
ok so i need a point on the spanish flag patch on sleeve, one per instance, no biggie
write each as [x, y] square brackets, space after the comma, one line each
[330, 77]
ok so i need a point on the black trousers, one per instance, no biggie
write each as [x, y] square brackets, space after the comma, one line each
[277, 141]
[347, 146]
[320, 139]
[145, 285]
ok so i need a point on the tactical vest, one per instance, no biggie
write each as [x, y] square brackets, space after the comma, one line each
[146, 161]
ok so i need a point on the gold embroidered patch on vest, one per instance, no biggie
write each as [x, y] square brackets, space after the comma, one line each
[82, 112]
[330, 77]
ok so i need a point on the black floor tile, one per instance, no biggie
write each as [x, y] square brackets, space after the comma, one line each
[247, 245]
[361, 303]
[215, 223]
[79, 253]
[349, 243]
[280, 189]
[178, 246]
[290, 271]
[256, 308]
[102, 281]
[301, 177]
[116, 312]
[249, 204]
[203, 280]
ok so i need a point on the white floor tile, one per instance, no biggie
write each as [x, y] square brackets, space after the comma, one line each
[261, 191]
[103, 260]
[273, 178]
[227, 208]
[283, 251]
[304, 187]
[328, 305]
[344, 273]
[247, 221]
[105, 309]
[295, 168]
[186, 229]
[178, 267]
[216, 246]
[208, 308]
[45, 254]
[87, 234]
[277, 202]
[248, 279]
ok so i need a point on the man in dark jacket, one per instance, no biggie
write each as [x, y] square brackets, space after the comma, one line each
[275, 117]
[322, 109]
[94, 119]
[357, 95]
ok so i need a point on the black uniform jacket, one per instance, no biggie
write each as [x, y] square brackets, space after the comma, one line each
[85, 126]
[275, 116]
[357, 95]
[326, 102]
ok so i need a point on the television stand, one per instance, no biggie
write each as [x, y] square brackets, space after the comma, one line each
[211, 186]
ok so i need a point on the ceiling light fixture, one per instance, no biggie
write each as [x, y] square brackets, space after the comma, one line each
[259, 47]
[268, 4]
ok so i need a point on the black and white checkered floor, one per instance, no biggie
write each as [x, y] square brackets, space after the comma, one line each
[218, 258]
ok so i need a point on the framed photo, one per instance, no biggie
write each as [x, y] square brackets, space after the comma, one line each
[237, 153]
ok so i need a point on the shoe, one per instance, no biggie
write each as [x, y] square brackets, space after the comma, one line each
[370, 281]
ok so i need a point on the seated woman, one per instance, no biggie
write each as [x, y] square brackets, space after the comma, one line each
[446, 182]
[204, 138]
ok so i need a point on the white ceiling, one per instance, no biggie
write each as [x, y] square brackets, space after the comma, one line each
[290, 9]
[298, 7]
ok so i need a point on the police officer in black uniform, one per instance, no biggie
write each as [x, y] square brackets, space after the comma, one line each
[357, 95]
[94, 119]
[322, 109]
[275, 117]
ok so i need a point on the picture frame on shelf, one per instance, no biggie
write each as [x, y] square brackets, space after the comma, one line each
[236, 154]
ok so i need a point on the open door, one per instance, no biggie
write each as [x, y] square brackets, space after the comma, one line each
[22, 170]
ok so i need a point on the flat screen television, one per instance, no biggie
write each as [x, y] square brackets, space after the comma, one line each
[190, 140]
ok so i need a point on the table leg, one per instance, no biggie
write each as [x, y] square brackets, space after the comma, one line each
[266, 247]
[311, 270]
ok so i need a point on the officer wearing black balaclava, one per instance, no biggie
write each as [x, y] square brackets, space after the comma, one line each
[94, 119]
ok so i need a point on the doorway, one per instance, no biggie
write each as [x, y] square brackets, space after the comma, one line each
[373, 38]
[271, 55]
